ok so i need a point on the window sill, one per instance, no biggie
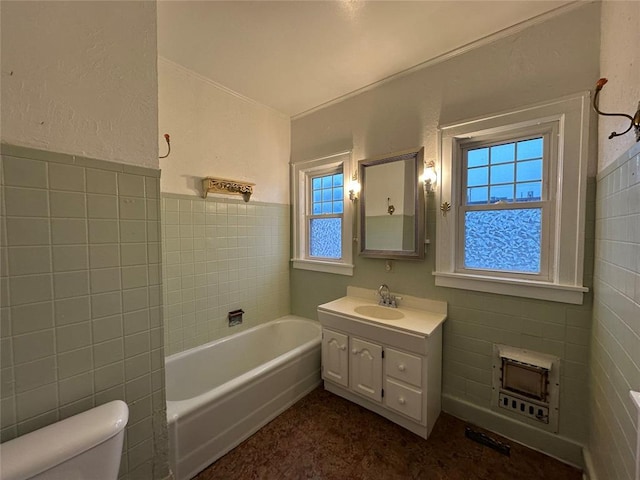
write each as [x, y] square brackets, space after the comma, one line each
[508, 286]
[320, 266]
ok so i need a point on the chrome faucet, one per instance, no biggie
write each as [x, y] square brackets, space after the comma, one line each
[386, 299]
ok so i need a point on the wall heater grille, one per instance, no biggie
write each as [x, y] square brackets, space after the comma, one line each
[526, 384]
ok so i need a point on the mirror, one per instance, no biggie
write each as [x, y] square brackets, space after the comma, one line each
[392, 206]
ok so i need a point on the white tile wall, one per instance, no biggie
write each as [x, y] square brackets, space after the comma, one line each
[80, 303]
[221, 254]
[615, 340]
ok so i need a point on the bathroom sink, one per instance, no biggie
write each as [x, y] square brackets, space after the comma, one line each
[381, 313]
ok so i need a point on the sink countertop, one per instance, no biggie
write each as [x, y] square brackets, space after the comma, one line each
[422, 322]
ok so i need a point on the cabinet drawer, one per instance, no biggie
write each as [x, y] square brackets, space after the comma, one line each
[405, 400]
[403, 366]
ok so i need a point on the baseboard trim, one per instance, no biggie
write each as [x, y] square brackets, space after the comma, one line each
[589, 470]
[556, 446]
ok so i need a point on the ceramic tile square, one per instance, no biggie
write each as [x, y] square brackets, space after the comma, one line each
[68, 231]
[104, 231]
[23, 172]
[134, 299]
[152, 187]
[72, 257]
[130, 185]
[30, 289]
[33, 346]
[101, 181]
[106, 304]
[71, 284]
[31, 317]
[109, 376]
[29, 260]
[133, 254]
[132, 231]
[108, 352]
[138, 388]
[132, 208]
[26, 202]
[134, 277]
[72, 310]
[67, 205]
[75, 362]
[73, 337]
[35, 374]
[136, 344]
[102, 206]
[66, 177]
[36, 401]
[105, 280]
[103, 256]
[107, 328]
[75, 388]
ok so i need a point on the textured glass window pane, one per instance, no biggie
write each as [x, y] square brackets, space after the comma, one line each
[531, 170]
[502, 173]
[530, 149]
[337, 180]
[317, 208]
[501, 193]
[478, 157]
[327, 207]
[325, 237]
[326, 195]
[337, 193]
[316, 183]
[317, 195]
[477, 176]
[338, 207]
[505, 240]
[327, 182]
[529, 192]
[477, 195]
[503, 153]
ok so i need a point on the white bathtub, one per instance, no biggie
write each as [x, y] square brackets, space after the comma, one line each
[220, 393]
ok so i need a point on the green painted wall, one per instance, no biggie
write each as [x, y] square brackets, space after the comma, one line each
[405, 112]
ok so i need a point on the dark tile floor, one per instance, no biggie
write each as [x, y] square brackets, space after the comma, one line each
[325, 437]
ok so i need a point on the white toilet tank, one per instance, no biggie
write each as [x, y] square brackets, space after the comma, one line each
[85, 446]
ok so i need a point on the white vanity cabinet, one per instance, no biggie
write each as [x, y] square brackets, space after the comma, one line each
[391, 367]
[335, 357]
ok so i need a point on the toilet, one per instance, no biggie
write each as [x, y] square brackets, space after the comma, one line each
[87, 445]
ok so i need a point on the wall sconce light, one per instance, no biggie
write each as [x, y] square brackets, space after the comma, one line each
[429, 176]
[354, 188]
[635, 120]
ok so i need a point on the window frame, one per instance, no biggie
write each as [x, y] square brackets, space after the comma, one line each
[566, 193]
[547, 131]
[301, 188]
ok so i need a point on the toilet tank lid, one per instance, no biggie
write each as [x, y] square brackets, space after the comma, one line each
[35, 452]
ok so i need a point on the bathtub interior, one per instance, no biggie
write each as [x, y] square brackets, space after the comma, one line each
[204, 368]
[205, 427]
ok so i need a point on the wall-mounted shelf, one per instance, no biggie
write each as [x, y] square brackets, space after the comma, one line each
[229, 187]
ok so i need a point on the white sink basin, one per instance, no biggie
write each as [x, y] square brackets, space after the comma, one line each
[381, 313]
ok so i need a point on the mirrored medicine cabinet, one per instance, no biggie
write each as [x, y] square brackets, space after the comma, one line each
[392, 203]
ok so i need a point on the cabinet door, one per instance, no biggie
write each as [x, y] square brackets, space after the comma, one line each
[365, 370]
[335, 357]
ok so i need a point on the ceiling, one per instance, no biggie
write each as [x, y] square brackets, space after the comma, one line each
[297, 55]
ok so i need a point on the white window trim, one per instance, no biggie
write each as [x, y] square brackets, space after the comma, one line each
[300, 173]
[564, 283]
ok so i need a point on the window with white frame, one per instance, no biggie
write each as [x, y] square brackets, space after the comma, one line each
[516, 186]
[322, 215]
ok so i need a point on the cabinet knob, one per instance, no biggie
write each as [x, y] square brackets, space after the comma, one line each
[354, 351]
[343, 347]
[401, 367]
[401, 401]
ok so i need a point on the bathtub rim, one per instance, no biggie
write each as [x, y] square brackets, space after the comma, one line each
[177, 409]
